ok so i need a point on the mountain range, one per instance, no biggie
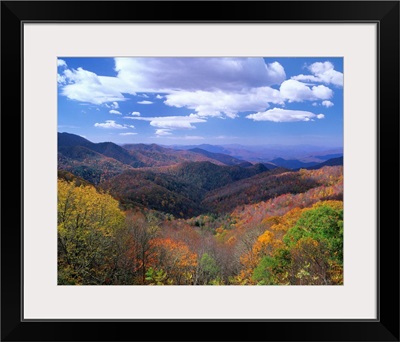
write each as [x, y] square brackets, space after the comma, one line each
[182, 182]
[266, 153]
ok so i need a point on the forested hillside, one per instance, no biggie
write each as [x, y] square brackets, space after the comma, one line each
[151, 215]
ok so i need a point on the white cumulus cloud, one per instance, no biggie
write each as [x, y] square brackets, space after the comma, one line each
[163, 132]
[109, 124]
[61, 79]
[323, 73]
[128, 133]
[113, 105]
[276, 73]
[171, 74]
[210, 86]
[85, 86]
[113, 111]
[284, 115]
[173, 122]
[327, 103]
[61, 63]
[219, 103]
[296, 91]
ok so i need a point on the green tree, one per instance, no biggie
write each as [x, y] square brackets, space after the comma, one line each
[272, 270]
[208, 269]
[316, 245]
[312, 248]
[157, 277]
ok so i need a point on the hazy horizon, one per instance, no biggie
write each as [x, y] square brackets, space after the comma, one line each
[187, 143]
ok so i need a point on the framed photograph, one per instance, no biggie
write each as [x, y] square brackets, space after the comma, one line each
[185, 163]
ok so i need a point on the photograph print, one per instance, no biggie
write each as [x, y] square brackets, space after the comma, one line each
[200, 171]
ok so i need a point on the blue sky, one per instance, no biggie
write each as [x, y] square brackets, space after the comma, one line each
[188, 101]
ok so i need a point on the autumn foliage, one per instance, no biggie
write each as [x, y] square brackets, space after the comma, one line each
[145, 228]
[91, 235]
[304, 246]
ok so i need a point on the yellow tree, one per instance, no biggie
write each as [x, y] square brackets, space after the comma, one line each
[266, 244]
[90, 229]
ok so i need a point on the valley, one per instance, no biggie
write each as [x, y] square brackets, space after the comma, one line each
[146, 214]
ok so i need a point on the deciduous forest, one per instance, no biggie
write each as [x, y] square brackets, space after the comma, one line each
[151, 215]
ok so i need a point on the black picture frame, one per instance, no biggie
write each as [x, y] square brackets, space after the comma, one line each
[384, 13]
